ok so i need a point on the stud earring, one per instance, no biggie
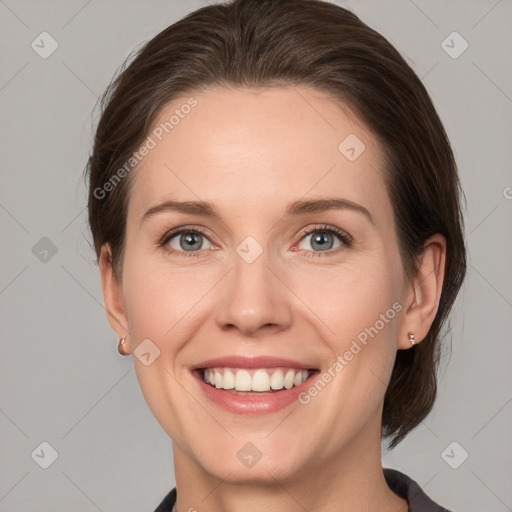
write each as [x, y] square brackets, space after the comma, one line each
[121, 347]
[411, 338]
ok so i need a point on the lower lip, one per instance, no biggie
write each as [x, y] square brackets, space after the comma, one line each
[252, 405]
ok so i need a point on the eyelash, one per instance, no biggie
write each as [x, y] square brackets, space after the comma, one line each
[343, 236]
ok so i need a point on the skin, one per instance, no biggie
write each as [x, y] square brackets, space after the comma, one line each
[251, 153]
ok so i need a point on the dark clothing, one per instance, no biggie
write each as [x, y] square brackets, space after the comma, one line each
[168, 503]
[398, 482]
[407, 488]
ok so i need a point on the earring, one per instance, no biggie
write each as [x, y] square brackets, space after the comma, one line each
[411, 338]
[121, 347]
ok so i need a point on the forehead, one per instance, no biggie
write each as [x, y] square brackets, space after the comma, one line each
[257, 149]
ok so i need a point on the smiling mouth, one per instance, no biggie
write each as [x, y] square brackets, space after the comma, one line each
[254, 381]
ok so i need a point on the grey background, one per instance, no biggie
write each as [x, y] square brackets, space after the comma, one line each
[61, 379]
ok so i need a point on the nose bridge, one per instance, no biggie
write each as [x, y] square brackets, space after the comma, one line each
[253, 297]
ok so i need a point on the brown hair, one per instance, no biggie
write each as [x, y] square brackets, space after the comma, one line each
[254, 43]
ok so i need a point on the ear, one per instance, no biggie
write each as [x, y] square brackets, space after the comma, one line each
[424, 292]
[113, 295]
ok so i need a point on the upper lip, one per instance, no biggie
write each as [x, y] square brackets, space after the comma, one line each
[250, 362]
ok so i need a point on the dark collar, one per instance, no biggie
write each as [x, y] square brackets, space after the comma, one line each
[407, 488]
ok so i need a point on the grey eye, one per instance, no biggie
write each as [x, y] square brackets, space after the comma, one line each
[187, 241]
[320, 240]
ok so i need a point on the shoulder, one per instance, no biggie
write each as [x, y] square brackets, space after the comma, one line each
[168, 502]
[407, 488]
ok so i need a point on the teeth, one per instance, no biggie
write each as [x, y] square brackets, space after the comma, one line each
[218, 379]
[243, 380]
[277, 380]
[289, 379]
[259, 380]
[228, 380]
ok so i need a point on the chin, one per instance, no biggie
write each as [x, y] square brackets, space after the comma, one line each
[259, 461]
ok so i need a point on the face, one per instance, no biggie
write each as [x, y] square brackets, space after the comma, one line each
[286, 269]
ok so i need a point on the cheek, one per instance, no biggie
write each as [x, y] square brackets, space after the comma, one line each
[358, 314]
[161, 298]
[357, 309]
[148, 299]
[159, 305]
[350, 298]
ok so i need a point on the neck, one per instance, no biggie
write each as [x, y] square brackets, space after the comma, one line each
[347, 480]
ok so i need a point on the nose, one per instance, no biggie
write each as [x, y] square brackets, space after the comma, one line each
[254, 298]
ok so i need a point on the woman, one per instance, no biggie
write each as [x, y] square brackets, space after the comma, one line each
[275, 209]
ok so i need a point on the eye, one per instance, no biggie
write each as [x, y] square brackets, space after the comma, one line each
[186, 240]
[327, 239]
[323, 239]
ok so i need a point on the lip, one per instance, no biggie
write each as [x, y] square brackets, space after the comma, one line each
[257, 404]
[251, 362]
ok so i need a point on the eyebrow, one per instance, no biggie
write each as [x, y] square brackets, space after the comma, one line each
[300, 207]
